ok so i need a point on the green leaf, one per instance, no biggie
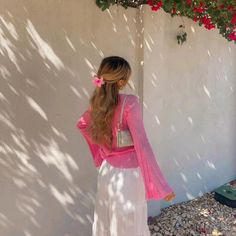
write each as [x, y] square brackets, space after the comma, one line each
[220, 17]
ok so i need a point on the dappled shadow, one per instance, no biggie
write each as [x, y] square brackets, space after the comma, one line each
[189, 93]
[48, 51]
[48, 182]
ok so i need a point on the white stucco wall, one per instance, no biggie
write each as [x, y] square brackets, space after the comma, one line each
[48, 51]
[190, 105]
[50, 48]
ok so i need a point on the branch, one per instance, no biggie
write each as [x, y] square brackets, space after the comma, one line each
[132, 3]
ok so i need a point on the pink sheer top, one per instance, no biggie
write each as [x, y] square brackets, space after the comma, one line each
[140, 155]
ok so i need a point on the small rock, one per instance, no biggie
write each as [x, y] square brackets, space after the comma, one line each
[156, 228]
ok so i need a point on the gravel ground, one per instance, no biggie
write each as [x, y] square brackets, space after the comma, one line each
[200, 216]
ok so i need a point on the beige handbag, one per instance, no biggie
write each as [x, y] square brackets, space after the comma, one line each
[124, 137]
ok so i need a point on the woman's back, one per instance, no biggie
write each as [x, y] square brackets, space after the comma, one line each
[140, 155]
[127, 175]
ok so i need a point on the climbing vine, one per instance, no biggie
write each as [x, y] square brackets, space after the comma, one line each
[211, 14]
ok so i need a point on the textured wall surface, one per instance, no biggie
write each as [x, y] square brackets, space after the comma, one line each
[48, 52]
[189, 104]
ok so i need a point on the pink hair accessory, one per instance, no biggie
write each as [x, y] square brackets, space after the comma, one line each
[98, 81]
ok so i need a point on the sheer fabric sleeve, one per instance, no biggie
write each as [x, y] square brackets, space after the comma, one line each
[155, 183]
[81, 124]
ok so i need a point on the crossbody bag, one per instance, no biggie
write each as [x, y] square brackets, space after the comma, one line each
[124, 137]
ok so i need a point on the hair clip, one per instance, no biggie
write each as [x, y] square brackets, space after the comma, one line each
[98, 81]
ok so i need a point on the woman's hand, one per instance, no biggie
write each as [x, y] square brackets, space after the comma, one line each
[169, 197]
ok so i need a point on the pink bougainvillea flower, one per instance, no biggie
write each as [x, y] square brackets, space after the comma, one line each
[155, 7]
[230, 7]
[209, 26]
[207, 22]
[195, 19]
[232, 36]
[98, 81]
[221, 6]
[233, 20]
[200, 8]
[189, 2]
[149, 2]
[173, 11]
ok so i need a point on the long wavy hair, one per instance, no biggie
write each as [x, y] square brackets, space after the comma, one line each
[104, 99]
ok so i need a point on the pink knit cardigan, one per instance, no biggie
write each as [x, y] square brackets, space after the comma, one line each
[140, 155]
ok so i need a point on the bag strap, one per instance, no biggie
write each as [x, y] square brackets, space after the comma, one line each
[122, 110]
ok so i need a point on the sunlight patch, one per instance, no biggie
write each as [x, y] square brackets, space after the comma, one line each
[43, 47]
[64, 198]
[37, 108]
[51, 155]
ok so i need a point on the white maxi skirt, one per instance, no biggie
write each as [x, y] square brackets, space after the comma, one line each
[120, 205]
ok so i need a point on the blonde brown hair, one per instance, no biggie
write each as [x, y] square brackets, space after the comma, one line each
[105, 98]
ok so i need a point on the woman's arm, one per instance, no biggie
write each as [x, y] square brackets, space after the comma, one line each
[154, 181]
[81, 124]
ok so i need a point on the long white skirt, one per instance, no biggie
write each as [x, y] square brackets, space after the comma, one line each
[120, 207]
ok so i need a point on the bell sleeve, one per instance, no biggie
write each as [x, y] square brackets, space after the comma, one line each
[81, 124]
[155, 183]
